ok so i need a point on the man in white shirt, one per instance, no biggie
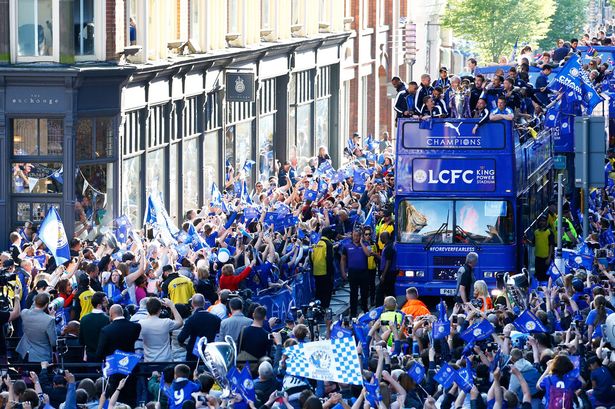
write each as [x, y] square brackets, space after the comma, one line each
[155, 331]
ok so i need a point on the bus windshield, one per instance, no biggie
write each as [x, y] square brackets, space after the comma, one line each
[455, 222]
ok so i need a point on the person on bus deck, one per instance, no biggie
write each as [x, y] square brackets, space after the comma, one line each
[430, 109]
[424, 90]
[438, 100]
[481, 112]
[493, 91]
[481, 292]
[413, 305]
[513, 98]
[543, 241]
[502, 112]
[466, 279]
[476, 91]
[542, 91]
[443, 82]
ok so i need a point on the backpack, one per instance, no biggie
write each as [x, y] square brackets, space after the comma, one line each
[319, 258]
[559, 398]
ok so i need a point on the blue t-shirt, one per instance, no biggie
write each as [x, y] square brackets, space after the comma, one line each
[604, 384]
[569, 383]
[355, 256]
[211, 239]
[592, 319]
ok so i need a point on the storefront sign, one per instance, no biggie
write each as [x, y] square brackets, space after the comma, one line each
[453, 175]
[35, 100]
[240, 87]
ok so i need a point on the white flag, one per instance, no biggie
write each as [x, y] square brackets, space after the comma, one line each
[334, 360]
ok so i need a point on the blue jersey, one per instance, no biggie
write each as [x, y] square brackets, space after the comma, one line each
[181, 391]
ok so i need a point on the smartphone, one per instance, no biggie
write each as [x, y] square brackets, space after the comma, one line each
[329, 314]
[454, 319]
[384, 322]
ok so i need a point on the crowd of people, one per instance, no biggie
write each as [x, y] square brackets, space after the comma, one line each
[157, 292]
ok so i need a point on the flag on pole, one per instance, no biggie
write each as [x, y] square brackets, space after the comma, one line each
[52, 233]
[334, 360]
[478, 331]
[417, 372]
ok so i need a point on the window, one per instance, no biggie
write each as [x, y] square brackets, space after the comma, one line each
[155, 173]
[300, 118]
[38, 137]
[131, 190]
[460, 221]
[36, 28]
[83, 17]
[325, 10]
[365, 14]
[37, 177]
[265, 147]
[196, 25]
[94, 138]
[211, 162]
[190, 174]
[174, 178]
[295, 12]
[485, 222]
[304, 135]
[322, 123]
[94, 190]
[266, 15]
[233, 17]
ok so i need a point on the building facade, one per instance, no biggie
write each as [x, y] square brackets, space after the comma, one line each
[103, 102]
[389, 38]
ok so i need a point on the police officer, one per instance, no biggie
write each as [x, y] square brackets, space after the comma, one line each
[466, 279]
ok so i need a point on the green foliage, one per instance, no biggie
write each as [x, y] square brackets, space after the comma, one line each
[568, 21]
[495, 25]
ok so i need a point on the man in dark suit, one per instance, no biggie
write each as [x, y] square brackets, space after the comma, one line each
[200, 324]
[119, 334]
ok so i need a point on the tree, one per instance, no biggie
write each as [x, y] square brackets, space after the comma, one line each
[495, 25]
[568, 22]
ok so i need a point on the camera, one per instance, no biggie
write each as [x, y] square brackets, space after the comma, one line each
[313, 311]
[492, 346]
[477, 303]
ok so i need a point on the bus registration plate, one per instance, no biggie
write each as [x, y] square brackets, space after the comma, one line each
[447, 291]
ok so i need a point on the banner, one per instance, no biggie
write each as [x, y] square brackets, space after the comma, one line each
[329, 360]
[453, 175]
[120, 363]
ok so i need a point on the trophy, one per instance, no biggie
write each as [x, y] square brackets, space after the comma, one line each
[219, 357]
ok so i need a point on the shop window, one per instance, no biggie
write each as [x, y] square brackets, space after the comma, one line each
[131, 190]
[94, 190]
[190, 174]
[211, 162]
[325, 8]
[322, 123]
[265, 147]
[233, 17]
[37, 177]
[94, 138]
[304, 136]
[174, 178]
[155, 180]
[38, 137]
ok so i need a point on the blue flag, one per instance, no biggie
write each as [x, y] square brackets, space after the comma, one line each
[314, 237]
[552, 116]
[310, 195]
[371, 316]
[337, 331]
[52, 233]
[120, 362]
[369, 144]
[373, 392]
[250, 213]
[417, 372]
[495, 362]
[442, 327]
[271, 218]
[121, 232]
[195, 348]
[233, 377]
[323, 186]
[445, 376]
[150, 212]
[246, 384]
[528, 323]
[247, 166]
[58, 175]
[464, 380]
[478, 331]
[216, 195]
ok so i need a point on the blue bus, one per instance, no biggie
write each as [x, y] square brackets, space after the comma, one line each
[458, 192]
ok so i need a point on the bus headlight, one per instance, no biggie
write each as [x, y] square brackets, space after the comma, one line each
[409, 273]
[420, 273]
[488, 274]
